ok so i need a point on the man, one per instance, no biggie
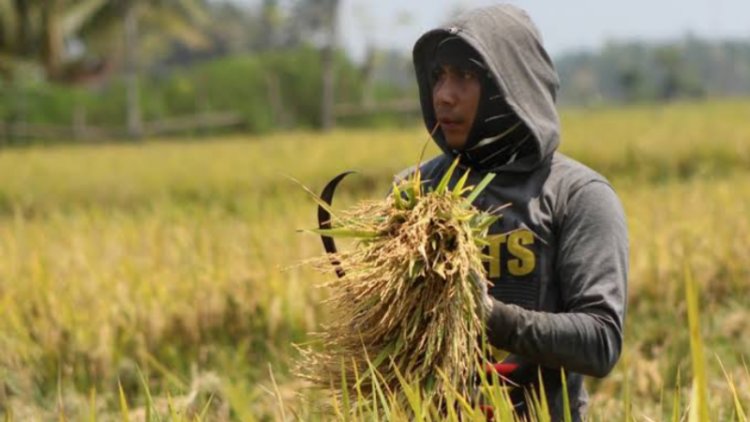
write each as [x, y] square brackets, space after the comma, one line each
[559, 254]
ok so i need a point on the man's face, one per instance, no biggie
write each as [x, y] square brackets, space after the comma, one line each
[455, 99]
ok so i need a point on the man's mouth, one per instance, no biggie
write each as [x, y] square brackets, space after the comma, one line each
[447, 123]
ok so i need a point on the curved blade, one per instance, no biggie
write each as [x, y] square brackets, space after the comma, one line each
[324, 219]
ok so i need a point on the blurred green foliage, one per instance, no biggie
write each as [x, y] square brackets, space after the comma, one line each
[274, 89]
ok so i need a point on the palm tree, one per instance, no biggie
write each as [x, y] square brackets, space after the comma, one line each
[15, 31]
[143, 22]
[36, 31]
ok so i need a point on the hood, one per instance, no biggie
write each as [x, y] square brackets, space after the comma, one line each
[511, 47]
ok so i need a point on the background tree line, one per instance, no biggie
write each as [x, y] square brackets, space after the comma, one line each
[120, 63]
[647, 72]
[103, 61]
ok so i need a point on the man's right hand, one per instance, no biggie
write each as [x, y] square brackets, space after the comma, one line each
[485, 300]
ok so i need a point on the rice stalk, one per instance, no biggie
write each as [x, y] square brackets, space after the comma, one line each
[407, 307]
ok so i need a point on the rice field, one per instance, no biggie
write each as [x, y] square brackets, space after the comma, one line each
[164, 278]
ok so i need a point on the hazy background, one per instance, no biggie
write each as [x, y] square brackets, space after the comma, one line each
[100, 70]
[583, 24]
[150, 251]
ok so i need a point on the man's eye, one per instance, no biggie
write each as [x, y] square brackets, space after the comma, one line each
[468, 74]
[436, 74]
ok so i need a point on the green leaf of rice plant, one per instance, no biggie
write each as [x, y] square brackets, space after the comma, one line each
[149, 399]
[345, 392]
[429, 384]
[458, 190]
[360, 398]
[277, 393]
[168, 375]
[482, 243]
[343, 232]
[398, 200]
[699, 404]
[316, 198]
[626, 400]
[676, 400]
[206, 408]
[92, 405]
[468, 409]
[443, 185]
[485, 223]
[411, 190]
[124, 413]
[543, 405]
[173, 415]
[480, 187]
[412, 393]
[738, 410]
[567, 416]
[379, 359]
[385, 394]
[496, 394]
[334, 399]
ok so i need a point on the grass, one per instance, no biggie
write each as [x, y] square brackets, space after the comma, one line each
[178, 261]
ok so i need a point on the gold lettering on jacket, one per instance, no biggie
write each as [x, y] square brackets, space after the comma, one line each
[511, 252]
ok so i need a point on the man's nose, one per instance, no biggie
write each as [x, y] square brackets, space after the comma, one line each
[445, 93]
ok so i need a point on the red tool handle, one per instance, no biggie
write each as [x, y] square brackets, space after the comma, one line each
[504, 369]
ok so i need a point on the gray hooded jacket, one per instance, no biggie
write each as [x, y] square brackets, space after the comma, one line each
[560, 251]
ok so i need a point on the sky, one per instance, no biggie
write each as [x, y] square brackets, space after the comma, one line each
[565, 25]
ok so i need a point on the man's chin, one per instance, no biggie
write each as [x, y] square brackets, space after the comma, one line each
[456, 145]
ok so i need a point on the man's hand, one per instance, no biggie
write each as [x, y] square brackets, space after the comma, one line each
[485, 300]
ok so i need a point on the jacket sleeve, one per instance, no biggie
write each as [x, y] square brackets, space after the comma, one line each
[591, 266]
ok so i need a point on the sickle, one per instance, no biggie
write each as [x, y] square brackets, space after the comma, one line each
[324, 220]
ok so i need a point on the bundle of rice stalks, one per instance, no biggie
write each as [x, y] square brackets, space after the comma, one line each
[407, 304]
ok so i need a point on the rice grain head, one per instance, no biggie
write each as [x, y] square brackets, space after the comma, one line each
[408, 306]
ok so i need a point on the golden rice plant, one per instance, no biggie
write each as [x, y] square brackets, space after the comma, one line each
[406, 308]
